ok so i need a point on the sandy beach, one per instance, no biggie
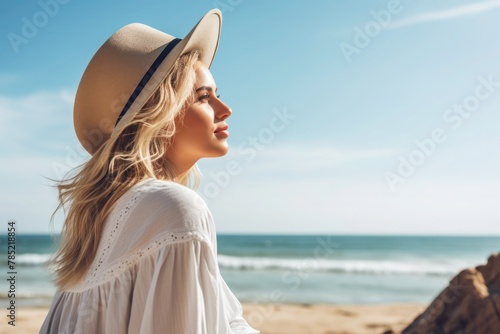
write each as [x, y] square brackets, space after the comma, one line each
[285, 318]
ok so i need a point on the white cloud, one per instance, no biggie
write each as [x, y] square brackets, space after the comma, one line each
[27, 195]
[41, 119]
[446, 14]
[333, 205]
[36, 131]
[315, 151]
[351, 197]
[294, 158]
[315, 157]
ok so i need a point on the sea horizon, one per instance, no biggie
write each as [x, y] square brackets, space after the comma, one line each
[317, 234]
[314, 268]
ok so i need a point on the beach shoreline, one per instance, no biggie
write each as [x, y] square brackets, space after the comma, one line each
[284, 318]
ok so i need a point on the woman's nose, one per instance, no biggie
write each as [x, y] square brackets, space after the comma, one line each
[222, 110]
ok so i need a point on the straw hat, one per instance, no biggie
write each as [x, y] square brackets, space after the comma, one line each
[127, 69]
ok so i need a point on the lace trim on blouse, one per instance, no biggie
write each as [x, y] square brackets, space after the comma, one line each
[98, 275]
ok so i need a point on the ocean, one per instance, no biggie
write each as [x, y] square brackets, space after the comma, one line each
[329, 269]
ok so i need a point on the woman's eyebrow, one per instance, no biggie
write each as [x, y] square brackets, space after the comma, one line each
[207, 88]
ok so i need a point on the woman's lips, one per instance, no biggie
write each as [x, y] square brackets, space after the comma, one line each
[222, 131]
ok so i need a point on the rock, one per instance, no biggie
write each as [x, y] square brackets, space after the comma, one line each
[469, 305]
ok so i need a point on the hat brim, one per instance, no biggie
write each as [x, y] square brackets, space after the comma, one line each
[204, 37]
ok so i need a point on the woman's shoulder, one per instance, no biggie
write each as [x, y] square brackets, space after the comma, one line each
[168, 204]
[151, 216]
[170, 193]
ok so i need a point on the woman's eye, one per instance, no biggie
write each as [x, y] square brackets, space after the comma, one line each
[205, 97]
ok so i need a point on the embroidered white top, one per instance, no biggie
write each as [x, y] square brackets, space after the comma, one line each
[155, 271]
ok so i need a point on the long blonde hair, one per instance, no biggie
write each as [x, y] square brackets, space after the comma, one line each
[134, 154]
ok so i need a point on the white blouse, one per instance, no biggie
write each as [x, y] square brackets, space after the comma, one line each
[155, 271]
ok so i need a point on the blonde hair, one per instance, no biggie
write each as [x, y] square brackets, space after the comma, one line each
[134, 154]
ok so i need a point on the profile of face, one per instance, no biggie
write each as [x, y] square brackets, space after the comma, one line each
[202, 131]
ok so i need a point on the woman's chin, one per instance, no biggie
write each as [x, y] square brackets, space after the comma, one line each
[215, 152]
[222, 149]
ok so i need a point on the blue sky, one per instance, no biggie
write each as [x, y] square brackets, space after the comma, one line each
[353, 117]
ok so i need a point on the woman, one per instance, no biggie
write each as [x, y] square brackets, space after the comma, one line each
[138, 249]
